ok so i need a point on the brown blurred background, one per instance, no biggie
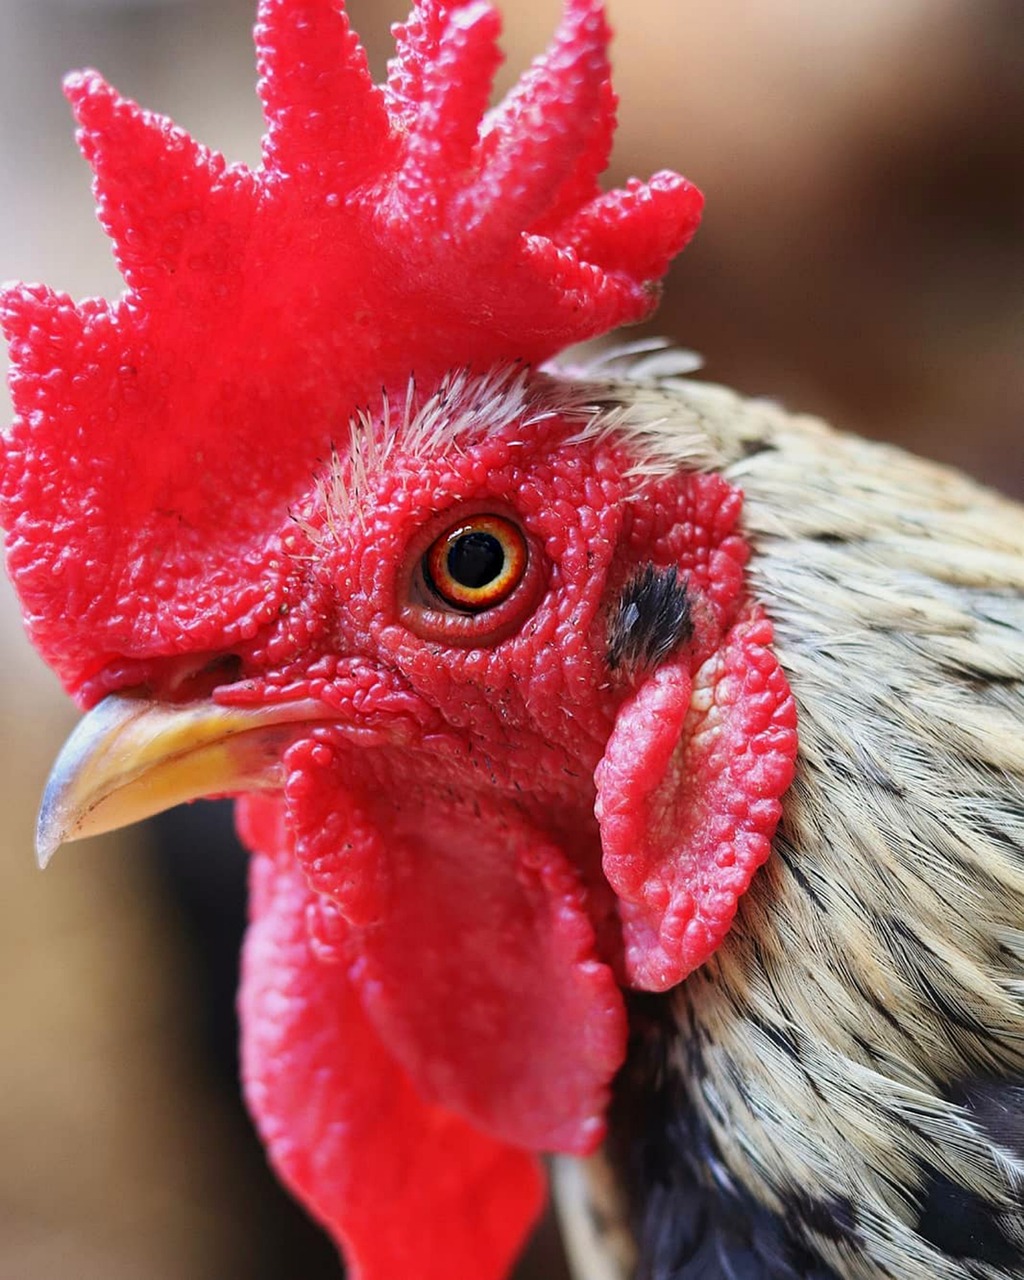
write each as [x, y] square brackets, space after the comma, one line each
[861, 257]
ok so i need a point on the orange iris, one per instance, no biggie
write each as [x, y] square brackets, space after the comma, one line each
[477, 563]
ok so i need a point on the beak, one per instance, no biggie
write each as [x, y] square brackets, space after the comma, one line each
[130, 758]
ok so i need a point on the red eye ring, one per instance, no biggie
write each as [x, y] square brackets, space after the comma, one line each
[476, 564]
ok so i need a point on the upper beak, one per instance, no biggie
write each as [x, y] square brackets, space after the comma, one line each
[130, 758]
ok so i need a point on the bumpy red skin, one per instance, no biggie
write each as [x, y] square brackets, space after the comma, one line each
[495, 830]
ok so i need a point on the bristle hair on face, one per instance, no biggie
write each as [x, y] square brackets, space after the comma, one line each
[463, 409]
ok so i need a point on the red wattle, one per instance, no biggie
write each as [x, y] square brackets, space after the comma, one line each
[408, 1189]
[471, 946]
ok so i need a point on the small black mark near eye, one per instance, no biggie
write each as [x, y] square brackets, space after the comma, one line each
[651, 618]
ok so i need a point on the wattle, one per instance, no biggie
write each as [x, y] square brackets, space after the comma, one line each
[464, 927]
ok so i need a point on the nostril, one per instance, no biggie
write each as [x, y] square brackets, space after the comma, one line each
[198, 675]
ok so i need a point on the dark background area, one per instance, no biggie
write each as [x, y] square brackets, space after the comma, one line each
[861, 258]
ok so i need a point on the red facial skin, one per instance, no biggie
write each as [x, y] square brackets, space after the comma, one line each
[493, 830]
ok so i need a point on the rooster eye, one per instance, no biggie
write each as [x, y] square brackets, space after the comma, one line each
[476, 564]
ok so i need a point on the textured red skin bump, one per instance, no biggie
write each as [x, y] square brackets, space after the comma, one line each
[441, 85]
[633, 230]
[524, 151]
[322, 109]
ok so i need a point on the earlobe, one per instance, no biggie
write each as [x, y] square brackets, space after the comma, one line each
[688, 798]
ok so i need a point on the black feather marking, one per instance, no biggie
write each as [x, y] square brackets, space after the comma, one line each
[751, 448]
[962, 1224]
[996, 1107]
[692, 1220]
[782, 1038]
[923, 969]
[832, 1219]
[785, 853]
[652, 617]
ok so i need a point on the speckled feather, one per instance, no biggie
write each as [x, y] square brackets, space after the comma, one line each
[850, 1060]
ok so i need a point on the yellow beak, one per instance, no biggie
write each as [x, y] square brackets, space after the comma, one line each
[130, 758]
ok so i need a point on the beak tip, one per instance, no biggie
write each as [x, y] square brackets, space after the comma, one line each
[51, 824]
[130, 758]
[48, 841]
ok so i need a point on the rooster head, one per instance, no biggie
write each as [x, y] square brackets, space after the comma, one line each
[298, 519]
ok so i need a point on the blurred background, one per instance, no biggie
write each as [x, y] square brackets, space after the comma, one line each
[862, 257]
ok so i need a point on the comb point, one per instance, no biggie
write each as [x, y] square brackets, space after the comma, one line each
[534, 142]
[156, 188]
[637, 229]
[323, 111]
[452, 76]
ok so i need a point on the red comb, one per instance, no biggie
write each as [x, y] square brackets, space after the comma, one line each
[391, 230]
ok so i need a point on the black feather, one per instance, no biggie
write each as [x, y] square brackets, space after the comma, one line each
[954, 1219]
[691, 1219]
[996, 1107]
[962, 1224]
[651, 618]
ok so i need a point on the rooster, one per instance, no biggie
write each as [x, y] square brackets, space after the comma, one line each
[521, 672]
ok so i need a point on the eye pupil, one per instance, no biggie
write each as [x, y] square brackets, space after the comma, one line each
[476, 559]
